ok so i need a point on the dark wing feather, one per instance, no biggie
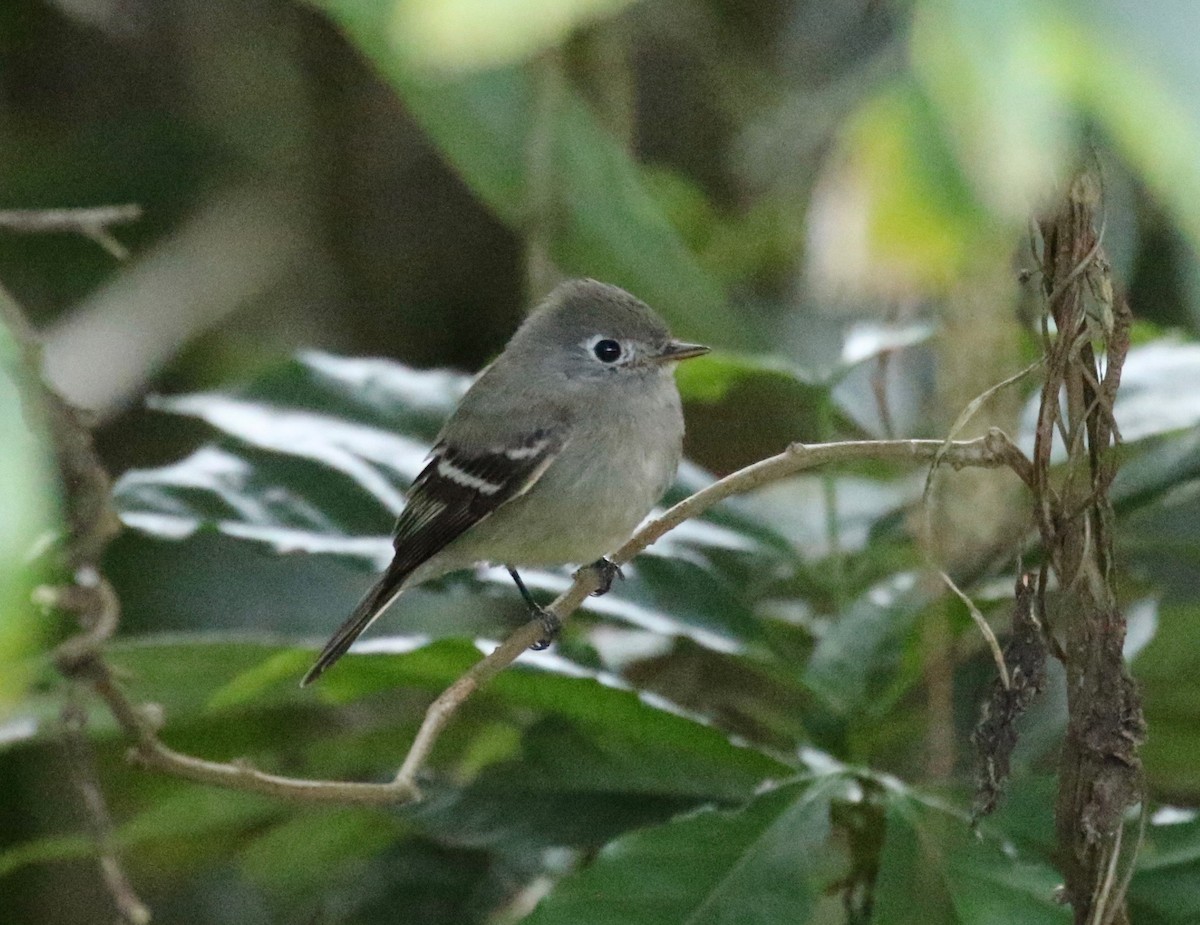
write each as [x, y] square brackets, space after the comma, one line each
[455, 491]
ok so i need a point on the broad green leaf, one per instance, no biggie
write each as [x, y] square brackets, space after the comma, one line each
[310, 848]
[1170, 692]
[46, 850]
[711, 378]
[535, 801]
[858, 657]
[638, 742]
[179, 822]
[546, 755]
[1166, 885]
[26, 517]
[423, 881]
[606, 223]
[314, 458]
[757, 864]
[934, 869]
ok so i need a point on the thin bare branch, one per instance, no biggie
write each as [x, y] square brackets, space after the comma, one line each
[94, 223]
[81, 763]
[992, 451]
[1025, 471]
[91, 523]
[984, 629]
[81, 657]
[83, 654]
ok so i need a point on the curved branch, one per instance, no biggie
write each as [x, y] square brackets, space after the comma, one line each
[84, 657]
[995, 450]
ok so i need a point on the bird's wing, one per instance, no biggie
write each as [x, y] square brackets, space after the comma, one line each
[459, 488]
[456, 490]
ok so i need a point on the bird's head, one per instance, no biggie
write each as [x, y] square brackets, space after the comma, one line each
[587, 331]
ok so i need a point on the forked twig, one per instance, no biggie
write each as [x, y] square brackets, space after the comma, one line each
[92, 222]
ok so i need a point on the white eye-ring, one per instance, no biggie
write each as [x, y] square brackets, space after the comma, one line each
[606, 349]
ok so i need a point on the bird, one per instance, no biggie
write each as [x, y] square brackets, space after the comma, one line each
[558, 450]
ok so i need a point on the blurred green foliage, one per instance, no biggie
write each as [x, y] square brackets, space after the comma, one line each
[747, 729]
[27, 522]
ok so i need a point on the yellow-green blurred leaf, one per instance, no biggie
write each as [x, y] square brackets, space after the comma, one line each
[466, 35]
[994, 72]
[25, 516]
[894, 214]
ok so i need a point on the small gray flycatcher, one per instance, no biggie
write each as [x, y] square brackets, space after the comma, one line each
[554, 455]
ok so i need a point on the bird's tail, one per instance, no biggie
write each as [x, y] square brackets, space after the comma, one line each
[375, 602]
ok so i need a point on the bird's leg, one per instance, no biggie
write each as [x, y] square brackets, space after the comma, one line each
[551, 625]
[606, 572]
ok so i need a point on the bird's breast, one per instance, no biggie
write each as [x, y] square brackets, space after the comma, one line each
[613, 470]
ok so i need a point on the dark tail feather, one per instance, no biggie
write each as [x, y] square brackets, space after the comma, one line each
[371, 606]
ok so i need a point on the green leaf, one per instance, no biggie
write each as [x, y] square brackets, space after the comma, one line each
[26, 516]
[934, 869]
[46, 850]
[635, 742]
[307, 850]
[533, 803]
[607, 224]
[1166, 885]
[450, 35]
[711, 378]
[758, 864]
[858, 656]
[1170, 691]
[546, 755]
[178, 821]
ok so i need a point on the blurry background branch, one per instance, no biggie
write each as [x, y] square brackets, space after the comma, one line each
[241, 242]
[95, 223]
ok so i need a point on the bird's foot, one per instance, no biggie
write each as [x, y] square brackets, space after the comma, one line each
[551, 627]
[606, 572]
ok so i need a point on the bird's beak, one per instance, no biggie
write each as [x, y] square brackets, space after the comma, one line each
[675, 351]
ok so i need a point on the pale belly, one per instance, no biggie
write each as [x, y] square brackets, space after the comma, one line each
[586, 505]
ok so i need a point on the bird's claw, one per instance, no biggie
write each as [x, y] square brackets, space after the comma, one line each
[551, 627]
[606, 572]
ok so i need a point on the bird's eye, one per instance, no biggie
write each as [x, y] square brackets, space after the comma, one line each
[607, 351]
